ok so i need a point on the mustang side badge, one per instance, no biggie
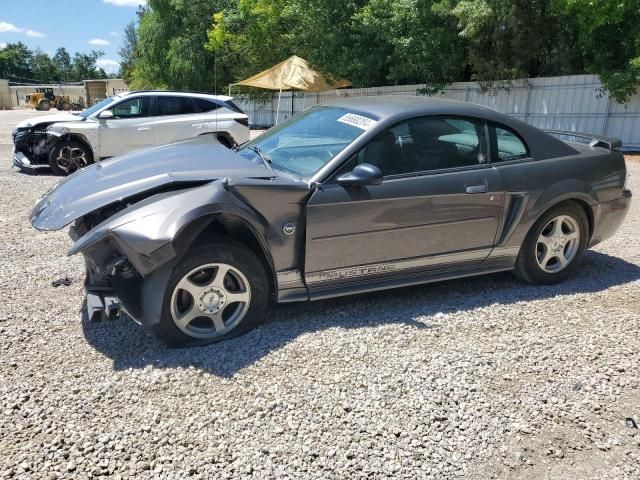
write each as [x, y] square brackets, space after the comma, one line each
[289, 228]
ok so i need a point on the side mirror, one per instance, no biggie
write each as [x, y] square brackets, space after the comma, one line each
[363, 174]
[106, 115]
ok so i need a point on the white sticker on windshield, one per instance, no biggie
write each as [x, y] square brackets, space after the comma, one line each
[357, 121]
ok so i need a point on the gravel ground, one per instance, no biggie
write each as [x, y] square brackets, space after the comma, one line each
[481, 378]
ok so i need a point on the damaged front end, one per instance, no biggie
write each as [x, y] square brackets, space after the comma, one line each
[128, 213]
[31, 146]
[130, 254]
[121, 245]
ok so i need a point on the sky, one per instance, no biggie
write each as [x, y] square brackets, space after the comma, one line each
[77, 25]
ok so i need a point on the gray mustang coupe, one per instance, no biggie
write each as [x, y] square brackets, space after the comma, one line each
[194, 240]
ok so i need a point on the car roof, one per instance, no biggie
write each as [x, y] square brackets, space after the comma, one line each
[389, 109]
[387, 106]
[169, 93]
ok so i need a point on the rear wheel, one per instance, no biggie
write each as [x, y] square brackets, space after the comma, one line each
[552, 250]
[69, 156]
[44, 106]
[217, 291]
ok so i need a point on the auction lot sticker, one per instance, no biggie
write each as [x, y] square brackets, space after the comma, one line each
[357, 121]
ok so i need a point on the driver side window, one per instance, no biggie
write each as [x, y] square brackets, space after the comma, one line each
[427, 143]
[133, 108]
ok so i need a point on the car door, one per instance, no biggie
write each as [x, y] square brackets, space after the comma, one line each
[178, 118]
[438, 206]
[130, 128]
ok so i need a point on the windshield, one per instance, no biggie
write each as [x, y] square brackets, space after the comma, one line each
[308, 141]
[91, 110]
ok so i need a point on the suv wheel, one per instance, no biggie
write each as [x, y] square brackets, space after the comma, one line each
[552, 250]
[69, 156]
[217, 291]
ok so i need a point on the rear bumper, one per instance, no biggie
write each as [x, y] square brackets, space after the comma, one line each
[608, 217]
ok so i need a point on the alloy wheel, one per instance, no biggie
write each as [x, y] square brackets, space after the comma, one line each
[71, 159]
[558, 244]
[210, 300]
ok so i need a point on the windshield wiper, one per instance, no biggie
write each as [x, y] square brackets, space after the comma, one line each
[263, 156]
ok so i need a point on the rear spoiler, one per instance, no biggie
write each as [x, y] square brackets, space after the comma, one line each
[593, 140]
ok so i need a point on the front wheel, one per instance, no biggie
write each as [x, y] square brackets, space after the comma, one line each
[217, 291]
[69, 156]
[554, 246]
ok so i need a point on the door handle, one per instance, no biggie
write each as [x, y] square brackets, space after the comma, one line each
[143, 129]
[477, 189]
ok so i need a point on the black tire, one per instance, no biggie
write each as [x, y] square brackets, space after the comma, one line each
[528, 267]
[44, 106]
[220, 250]
[66, 106]
[72, 162]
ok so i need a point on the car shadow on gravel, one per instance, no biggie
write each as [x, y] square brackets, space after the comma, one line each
[130, 346]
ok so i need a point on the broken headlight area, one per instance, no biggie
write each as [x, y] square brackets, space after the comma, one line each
[34, 143]
[111, 282]
[114, 267]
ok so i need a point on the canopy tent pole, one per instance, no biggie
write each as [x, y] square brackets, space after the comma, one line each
[278, 107]
[293, 91]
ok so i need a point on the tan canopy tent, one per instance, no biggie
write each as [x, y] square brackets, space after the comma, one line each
[292, 74]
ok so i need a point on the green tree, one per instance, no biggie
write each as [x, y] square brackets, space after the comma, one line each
[609, 41]
[15, 62]
[43, 67]
[406, 41]
[370, 42]
[128, 52]
[84, 66]
[170, 51]
[207, 44]
[509, 39]
[62, 61]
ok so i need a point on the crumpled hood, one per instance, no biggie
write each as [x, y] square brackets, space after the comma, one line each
[53, 118]
[110, 181]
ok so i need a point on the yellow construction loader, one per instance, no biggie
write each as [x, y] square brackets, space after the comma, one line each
[44, 99]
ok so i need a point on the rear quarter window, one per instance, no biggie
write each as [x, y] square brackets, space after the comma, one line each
[509, 145]
[206, 105]
[233, 106]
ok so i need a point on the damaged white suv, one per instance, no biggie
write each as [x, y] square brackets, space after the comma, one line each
[122, 123]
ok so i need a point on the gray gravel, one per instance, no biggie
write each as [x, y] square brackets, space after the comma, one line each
[481, 378]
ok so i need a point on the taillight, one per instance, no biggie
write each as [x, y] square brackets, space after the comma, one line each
[243, 121]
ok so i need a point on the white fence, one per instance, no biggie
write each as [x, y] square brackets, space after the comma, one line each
[5, 95]
[575, 103]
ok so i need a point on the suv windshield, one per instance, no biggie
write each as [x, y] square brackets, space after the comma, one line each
[91, 110]
[308, 141]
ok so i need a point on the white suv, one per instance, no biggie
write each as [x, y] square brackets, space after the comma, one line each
[122, 123]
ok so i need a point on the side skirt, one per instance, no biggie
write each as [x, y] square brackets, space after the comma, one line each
[501, 265]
